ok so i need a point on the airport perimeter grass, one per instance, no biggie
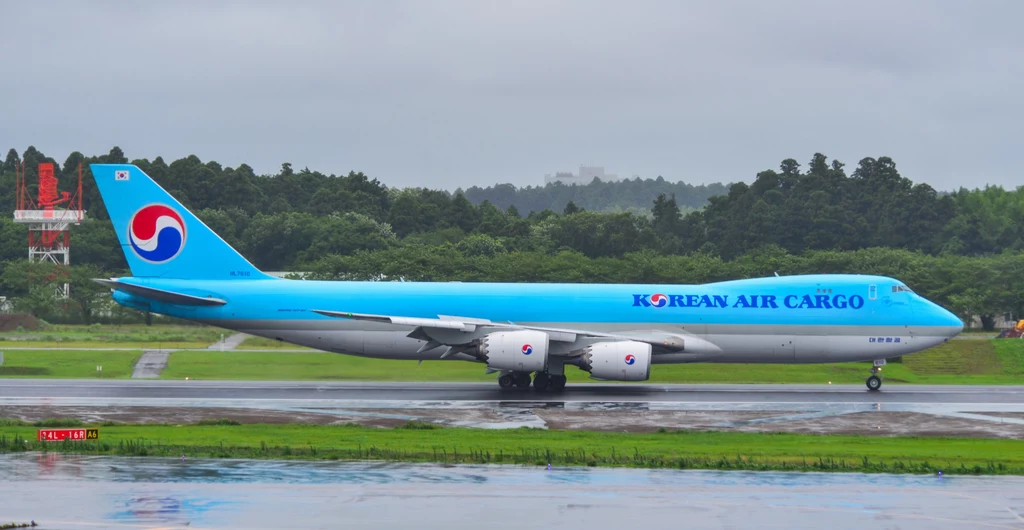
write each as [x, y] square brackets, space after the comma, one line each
[423, 442]
[956, 362]
[260, 343]
[994, 362]
[166, 336]
[108, 333]
[101, 345]
[69, 364]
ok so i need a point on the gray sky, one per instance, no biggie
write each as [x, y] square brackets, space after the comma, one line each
[456, 93]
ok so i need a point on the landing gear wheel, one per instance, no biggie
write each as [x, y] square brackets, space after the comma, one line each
[506, 382]
[557, 383]
[874, 383]
[541, 381]
[522, 379]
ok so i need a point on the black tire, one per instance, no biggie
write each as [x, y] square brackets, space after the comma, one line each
[557, 383]
[874, 383]
[506, 382]
[541, 381]
[522, 379]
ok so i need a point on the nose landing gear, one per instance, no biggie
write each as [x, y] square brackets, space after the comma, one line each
[874, 382]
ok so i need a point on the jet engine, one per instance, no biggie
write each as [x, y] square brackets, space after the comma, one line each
[521, 351]
[618, 361]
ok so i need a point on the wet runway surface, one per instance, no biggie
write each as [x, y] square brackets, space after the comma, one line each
[271, 390]
[992, 412]
[60, 491]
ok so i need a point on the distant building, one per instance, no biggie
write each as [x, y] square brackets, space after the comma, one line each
[586, 176]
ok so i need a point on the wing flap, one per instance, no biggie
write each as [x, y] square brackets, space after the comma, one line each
[402, 321]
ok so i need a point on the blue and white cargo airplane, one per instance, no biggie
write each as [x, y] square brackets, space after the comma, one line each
[183, 269]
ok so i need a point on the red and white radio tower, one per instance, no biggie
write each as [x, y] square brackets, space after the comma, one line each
[49, 217]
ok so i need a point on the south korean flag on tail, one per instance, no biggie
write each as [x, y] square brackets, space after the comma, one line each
[121, 174]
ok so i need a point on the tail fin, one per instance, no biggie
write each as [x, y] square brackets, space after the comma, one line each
[159, 237]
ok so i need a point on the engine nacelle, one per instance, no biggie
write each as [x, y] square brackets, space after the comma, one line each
[618, 361]
[521, 351]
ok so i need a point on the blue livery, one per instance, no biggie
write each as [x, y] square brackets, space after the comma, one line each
[182, 268]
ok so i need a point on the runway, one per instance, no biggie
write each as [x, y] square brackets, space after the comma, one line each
[975, 411]
[259, 391]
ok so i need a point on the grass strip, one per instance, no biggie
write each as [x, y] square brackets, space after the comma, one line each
[962, 362]
[260, 343]
[101, 345]
[319, 366]
[69, 364]
[419, 442]
[114, 333]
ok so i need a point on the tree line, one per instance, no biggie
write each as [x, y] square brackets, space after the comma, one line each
[353, 226]
[628, 195]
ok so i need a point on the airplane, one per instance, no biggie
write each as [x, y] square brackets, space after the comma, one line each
[527, 333]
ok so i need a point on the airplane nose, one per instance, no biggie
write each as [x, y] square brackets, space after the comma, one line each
[951, 323]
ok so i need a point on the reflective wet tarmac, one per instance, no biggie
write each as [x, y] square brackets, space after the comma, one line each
[348, 391]
[991, 411]
[60, 491]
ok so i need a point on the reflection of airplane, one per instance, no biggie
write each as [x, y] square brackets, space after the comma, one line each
[183, 269]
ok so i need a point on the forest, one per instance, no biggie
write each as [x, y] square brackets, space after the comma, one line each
[961, 248]
[604, 197]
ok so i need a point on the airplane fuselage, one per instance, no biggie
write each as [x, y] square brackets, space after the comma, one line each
[526, 332]
[794, 319]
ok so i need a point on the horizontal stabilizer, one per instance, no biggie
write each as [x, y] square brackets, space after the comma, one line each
[161, 295]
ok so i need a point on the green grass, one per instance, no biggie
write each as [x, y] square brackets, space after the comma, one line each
[97, 333]
[110, 345]
[956, 362]
[420, 442]
[993, 362]
[1010, 353]
[313, 366]
[962, 357]
[69, 364]
[260, 343]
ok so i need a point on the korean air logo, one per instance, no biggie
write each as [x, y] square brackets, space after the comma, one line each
[630, 359]
[659, 300]
[527, 349]
[156, 233]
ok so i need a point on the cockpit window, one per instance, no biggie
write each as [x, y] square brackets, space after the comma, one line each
[901, 289]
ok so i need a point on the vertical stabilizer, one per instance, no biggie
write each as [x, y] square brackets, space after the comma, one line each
[159, 237]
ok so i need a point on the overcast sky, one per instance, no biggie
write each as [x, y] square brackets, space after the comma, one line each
[457, 93]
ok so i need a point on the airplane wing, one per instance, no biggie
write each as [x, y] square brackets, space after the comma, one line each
[456, 331]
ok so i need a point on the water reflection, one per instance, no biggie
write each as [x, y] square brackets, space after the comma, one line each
[205, 493]
[53, 466]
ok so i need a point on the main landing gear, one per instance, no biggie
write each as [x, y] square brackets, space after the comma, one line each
[542, 381]
[874, 382]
